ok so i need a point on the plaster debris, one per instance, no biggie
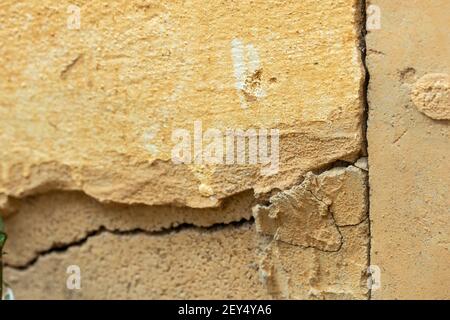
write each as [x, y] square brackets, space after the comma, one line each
[431, 95]
[309, 214]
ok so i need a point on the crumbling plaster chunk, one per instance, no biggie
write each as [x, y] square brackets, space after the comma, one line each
[293, 272]
[347, 189]
[309, 214]
[431, 95]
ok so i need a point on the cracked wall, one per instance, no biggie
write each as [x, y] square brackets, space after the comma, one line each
[168, 252]
[88, 177]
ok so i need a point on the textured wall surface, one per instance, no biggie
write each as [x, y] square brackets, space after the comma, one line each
[96, 120]
[409, 150]
[100, 109]
[217, 149]
[137, 252]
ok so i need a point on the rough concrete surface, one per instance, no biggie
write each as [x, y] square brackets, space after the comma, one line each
[221, 262]
[409, 151]
[71, 228]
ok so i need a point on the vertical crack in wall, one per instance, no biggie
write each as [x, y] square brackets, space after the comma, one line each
[364, 96]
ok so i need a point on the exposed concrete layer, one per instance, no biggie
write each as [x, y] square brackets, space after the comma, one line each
[222, 262]
[59, 218]
[409, 149]
[59, 229]
[95, 109]
[191, 263]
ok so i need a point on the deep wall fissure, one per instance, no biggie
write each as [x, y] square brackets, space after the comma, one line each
[179, 227]
[364, 97]
[61, 248]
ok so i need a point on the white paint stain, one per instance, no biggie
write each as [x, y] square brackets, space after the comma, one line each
[148, 137]
[246, 63]
[237, 53]
[252, 58]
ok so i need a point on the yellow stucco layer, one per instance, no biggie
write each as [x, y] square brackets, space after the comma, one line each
[95, 108]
